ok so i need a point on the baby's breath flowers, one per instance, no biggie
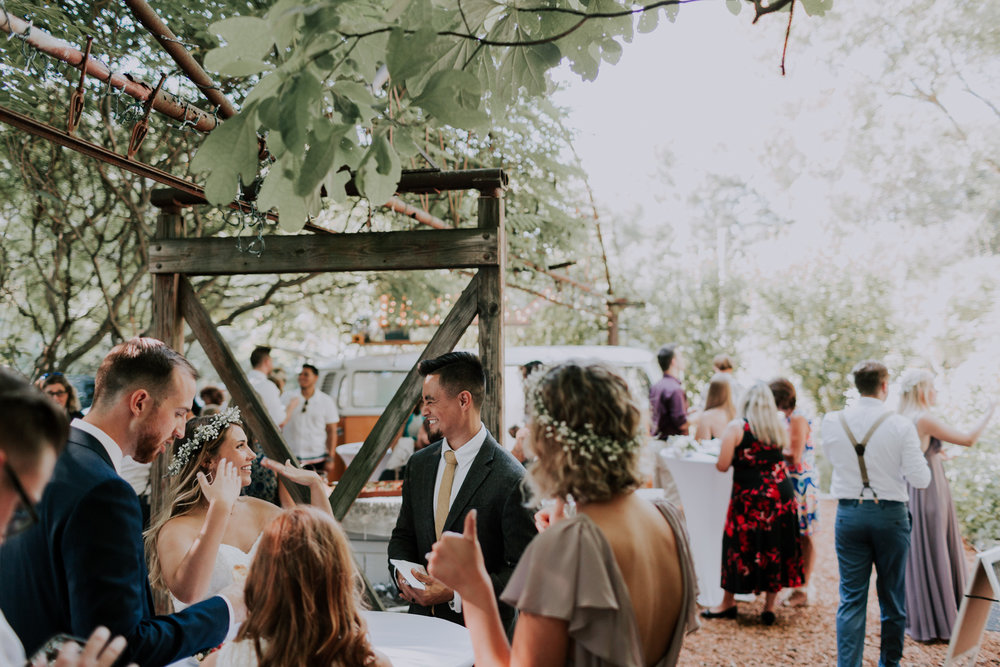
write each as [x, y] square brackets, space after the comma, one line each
[202, 434]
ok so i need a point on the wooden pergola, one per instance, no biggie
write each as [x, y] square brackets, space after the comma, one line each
[174, 258]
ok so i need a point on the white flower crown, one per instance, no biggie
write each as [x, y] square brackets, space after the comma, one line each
[587, 443]
[202, 434]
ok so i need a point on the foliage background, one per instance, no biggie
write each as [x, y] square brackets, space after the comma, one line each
[861, 221]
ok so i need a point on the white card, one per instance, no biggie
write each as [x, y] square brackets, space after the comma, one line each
[404, 567]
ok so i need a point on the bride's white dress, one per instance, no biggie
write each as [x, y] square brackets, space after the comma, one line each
[230, 564]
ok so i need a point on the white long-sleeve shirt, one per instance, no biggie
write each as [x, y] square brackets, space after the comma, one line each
[891, 456]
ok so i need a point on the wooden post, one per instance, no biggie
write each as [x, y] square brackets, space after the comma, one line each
[491, 289]
[168, 326]
[253, 411]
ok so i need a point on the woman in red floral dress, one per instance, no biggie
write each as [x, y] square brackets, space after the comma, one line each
[761, 551]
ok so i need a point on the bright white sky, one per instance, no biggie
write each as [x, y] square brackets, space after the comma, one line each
[707, 88]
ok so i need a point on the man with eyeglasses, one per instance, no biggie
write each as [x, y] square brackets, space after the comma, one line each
[311, 429]
[83, 564]
[32, 434]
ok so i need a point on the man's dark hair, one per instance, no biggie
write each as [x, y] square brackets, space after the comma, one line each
[722, 362]
[457, 372]
[784, 393]
[259, 354]
[315, 371]
[212, 395]
[869, 376]
[29, 420]
[138, 363]
[665, 355]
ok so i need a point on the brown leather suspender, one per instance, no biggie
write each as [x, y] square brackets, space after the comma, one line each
[859, 449]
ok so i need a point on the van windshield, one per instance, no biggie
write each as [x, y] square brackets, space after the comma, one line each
[374, 389]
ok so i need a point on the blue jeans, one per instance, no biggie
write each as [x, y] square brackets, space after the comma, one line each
[871, 534]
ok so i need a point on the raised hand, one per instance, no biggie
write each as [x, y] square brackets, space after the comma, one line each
[291, 473]
[547, 516]
[224, 489]
[98, 651]
[457, 560]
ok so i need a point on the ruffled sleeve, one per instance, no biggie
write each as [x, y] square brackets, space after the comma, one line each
[568, 572]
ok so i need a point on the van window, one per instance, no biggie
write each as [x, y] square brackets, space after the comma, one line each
[374, 389]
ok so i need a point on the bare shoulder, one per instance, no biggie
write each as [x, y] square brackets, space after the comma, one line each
[178, 534]
[261, 510]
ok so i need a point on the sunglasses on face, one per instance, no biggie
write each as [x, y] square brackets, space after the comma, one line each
[60, 392]
[25, 515]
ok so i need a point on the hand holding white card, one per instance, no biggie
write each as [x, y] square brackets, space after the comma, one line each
[404, 567]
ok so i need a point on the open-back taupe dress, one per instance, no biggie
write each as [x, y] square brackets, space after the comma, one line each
[569, 572]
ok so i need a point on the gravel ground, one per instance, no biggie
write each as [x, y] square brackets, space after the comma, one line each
[807, 636]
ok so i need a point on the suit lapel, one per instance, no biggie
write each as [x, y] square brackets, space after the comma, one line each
[478, 472]
[83, 439]
[422, 497]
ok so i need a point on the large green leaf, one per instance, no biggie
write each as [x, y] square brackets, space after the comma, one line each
[321, 157]
[278, 191]
[379, 173]
[453, 97]
[228, 154]
[298, 99]
[409, 55]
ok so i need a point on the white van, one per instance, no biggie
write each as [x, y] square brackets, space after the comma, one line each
[362, 387]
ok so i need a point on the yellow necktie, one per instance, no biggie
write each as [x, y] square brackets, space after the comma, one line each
[444, 492]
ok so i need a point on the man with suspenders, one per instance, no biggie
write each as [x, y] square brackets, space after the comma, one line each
[872, 450]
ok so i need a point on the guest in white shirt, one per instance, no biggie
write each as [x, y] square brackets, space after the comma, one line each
[262, 365]
[311, 428]
[873, 521]
[33, 432]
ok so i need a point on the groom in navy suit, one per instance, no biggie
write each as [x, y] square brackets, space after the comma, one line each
[465, 469]
[83, 564]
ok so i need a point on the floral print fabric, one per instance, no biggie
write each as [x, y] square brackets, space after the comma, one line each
[760, 545]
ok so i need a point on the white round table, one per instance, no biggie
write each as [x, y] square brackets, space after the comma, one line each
[704, 494]
[419, 641]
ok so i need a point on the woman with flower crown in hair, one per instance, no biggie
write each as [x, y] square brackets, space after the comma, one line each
[935, 567]
[612, 583]
[204, 539]
[761, 551]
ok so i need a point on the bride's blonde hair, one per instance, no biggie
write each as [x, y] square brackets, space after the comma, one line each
[915, 385]
[184, 492]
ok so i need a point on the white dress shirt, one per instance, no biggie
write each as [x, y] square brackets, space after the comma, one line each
[269, 395]
[11, 651]
[891, 456]
[464, 457]
[114, 451]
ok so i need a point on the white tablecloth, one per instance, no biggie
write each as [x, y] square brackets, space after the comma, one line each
[704, 493]
[419, 641]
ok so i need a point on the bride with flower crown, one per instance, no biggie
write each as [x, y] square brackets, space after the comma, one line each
[205, 538]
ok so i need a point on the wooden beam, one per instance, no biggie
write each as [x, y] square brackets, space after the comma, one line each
[314, 253]
[490, 307]
[444, 340]
[231, 373]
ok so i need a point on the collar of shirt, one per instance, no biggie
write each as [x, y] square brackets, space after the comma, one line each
[466, 454]
[114, 451]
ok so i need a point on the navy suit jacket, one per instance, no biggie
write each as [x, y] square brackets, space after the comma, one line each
[503, 524]
[83, 565]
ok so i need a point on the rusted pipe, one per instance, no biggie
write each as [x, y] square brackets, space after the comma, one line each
[163, 102]
[198, 76]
